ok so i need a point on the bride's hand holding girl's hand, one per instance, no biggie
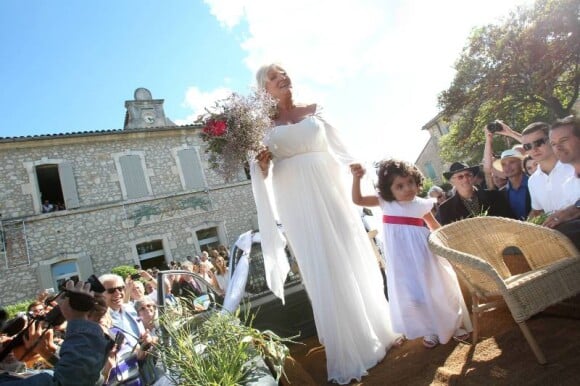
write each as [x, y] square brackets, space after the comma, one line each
[264, 157]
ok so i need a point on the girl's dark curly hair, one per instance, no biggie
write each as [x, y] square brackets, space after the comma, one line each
[389, 169]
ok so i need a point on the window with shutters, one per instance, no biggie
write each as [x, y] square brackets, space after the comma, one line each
[56, 186]
[134, 182]
[191, 172]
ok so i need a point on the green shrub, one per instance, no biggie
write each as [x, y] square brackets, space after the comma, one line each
[124, 271]
[14, 309]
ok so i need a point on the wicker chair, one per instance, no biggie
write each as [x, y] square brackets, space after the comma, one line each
[474, 247]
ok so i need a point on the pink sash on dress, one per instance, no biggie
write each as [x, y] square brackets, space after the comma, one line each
[403, 220]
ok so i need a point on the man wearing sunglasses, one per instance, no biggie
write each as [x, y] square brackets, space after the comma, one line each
[546, 184]
[123, 315]
[468, 200]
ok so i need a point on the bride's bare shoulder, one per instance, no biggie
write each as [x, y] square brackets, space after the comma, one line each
[307, 109]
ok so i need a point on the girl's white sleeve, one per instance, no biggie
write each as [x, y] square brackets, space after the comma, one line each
[273, 242]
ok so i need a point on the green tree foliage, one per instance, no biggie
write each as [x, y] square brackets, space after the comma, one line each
[427, 184]
[525, 69]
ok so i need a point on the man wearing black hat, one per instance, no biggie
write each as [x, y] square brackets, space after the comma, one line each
[468, 201]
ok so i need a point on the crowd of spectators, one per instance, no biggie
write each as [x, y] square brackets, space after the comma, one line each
[538, 178]
[119, 330]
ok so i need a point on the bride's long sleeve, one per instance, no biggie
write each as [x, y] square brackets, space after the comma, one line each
[336, 144]
[273, 242]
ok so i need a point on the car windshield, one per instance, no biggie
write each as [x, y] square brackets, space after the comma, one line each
[256, 283]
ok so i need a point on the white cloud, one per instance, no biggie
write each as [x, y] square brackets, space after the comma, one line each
[376, 65]
[228, 13]
[197, 101]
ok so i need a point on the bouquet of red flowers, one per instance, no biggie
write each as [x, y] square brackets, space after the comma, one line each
[234, 128]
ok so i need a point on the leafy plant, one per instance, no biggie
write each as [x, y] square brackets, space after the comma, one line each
[215, 348]
[482, 213]
[13, 309]
[124, 271]
[539, 219]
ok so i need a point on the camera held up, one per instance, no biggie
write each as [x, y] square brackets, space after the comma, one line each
[494, 127]
[18, 327]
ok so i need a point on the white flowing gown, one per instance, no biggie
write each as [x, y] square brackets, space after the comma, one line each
[326, 234]
[424, 294]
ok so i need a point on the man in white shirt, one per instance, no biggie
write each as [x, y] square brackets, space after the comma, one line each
[565, 141]
[546, 184]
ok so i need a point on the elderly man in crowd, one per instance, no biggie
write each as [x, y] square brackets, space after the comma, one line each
[469, 201]
[124, 316]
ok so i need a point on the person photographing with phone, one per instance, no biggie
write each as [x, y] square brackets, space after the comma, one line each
[510, 164]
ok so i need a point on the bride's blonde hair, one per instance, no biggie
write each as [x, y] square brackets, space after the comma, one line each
[262, 74]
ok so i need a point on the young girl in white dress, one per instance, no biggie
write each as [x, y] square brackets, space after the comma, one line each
[424, 295]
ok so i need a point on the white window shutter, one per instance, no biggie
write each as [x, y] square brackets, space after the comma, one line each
[191, 169]
[68, 185]
[85, 266]
[133, 176]
[44, 275]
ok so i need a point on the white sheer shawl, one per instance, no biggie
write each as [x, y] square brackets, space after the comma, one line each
[273, 241]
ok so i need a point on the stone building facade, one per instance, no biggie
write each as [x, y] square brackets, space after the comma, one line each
[429, 162]
[143, 195]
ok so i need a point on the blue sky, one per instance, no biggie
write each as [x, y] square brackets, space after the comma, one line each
[375, 65]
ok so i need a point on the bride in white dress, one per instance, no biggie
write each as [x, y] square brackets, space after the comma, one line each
[304, 159]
